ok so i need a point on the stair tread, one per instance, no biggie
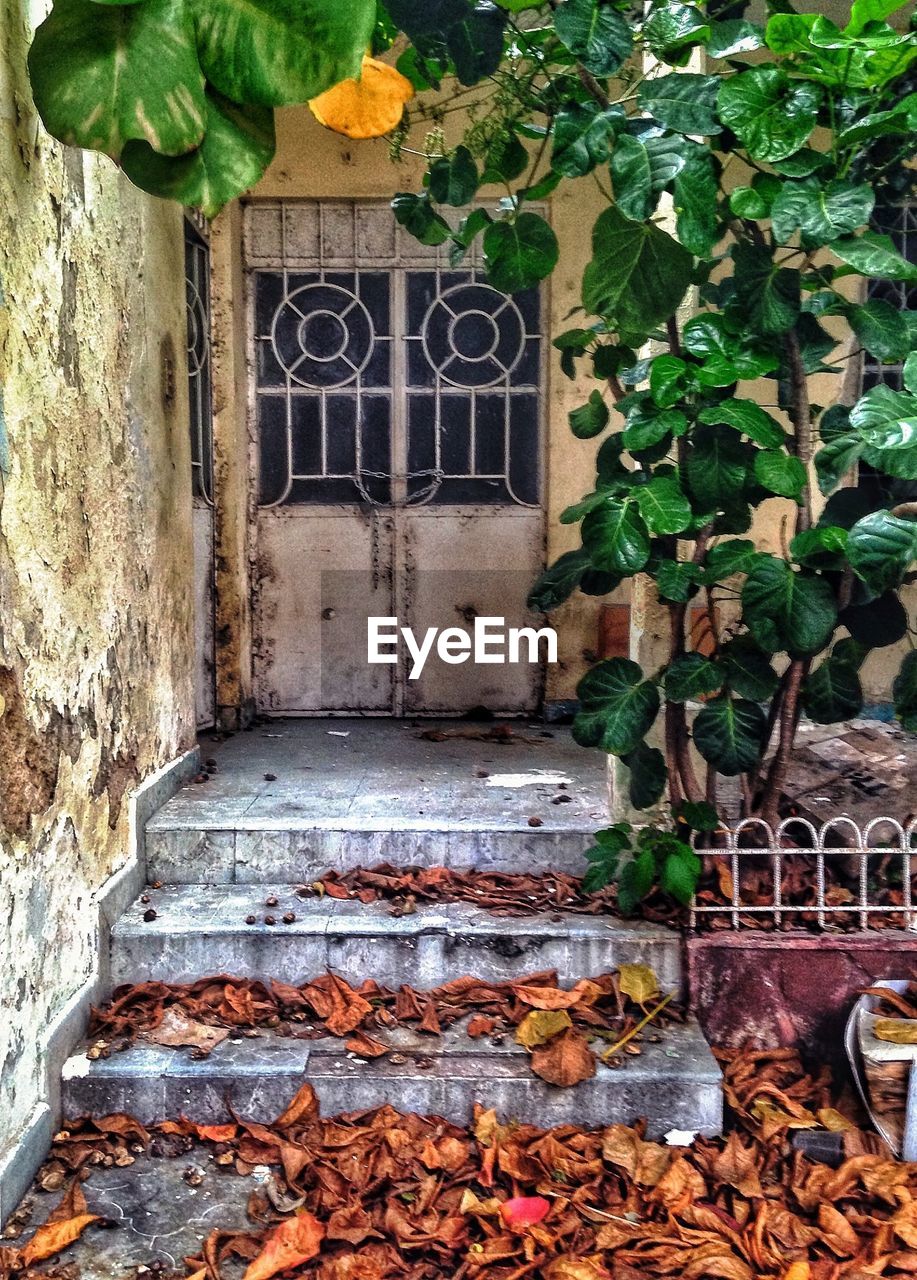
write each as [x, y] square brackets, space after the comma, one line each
[223, 908]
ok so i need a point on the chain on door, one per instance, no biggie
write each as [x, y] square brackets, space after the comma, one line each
[396, 405]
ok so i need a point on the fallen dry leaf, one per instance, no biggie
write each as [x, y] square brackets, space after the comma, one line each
[566, 1060]
[639, 982]
[895, 1030]
[541, 1025]
[289, 1245]
[178, 1029]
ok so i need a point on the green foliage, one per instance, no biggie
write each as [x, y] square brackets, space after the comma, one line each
[180, 92]
[646, 862]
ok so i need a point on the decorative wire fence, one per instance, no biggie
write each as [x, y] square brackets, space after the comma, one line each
[837, 877]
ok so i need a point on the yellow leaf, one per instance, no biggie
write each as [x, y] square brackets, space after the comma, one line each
[797, 1271]
[638, 981]
[833, 1120]
[365, 108]
[470, 1203]
[774, 1118]
[896, 1030]
[541, 1025]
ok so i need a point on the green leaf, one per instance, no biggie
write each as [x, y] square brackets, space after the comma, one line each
[729, 733]
[780, 473]
[787, 609]
[236, 149]
[617, 707]
[727, 558]
[673, 26]
[879, 623]
[475, 43]
[664, 507]
[835, 460]
[419, 218]
[694, 195]
[821, 212]
[691, 676]
[591, 418]
[881, 548]
[874, 255]
[638, 275]
[636, 881]
[276, 52]
[667, 379]
[648, 776]
[682, 101]
[881, 328]
[680, 874]
[734, 35]
[749, 418]
[904, 692]
[616, 537]
[820, 548]
[103, 75]
[748, 671]
[885, 421]
[646, 429]
[583, 137]
[909, 373]
[559, 581]
[748, 202]
[596, 33]
[506, 159]
[768, 295]
[520, 253]
[770, 114]
[697, 815]
[676, 579]
[640, 169]
[454, 179]
[832, 692]
[716, 466]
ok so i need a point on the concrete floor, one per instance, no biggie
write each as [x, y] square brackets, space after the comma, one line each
[385, 773]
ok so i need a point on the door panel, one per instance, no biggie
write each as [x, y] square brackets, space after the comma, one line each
[320, 574]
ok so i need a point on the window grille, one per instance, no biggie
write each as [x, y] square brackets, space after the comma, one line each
[839, 877]
[899, 222]
[383, 375]
[197, 301]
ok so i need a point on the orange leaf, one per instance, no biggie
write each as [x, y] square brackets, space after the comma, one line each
[524, 1211]
[364, 108]
[566, 1060]
[289, 1245]
[53, 1237]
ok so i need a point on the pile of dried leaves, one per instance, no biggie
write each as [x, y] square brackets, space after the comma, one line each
[896, 1012]
[557, 1026]
[499, 893]
[384, 1196]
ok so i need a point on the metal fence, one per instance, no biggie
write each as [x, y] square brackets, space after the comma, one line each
[837, 877]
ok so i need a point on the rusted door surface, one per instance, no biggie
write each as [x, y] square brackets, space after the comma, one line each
[396, 407]
[197, 297]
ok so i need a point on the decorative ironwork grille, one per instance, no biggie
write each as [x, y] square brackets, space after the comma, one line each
[838, 877]
[382, 374]
[900, 223]
[197, 300]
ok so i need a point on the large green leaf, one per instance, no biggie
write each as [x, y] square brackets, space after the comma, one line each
[646, 429]
[275, 52]
[771, 114]
[748, 417]
[416, 214]
[237, 148]
[672, 26]
[104, 75]
[717, 466]
[881, 328]
[694, 194]
[641, 167]
[677, 579]
[591, 418]
[727, 558]
[885, 421]
[648, 775]
[786, 609]
[691, 676]
[748, 671]
[904, 691]
[454, 179]
[881, 548]
[617, 707]
[616, 537]
[835, 460]
[638, 275]
[768, 295]
[663, 505]
[821, 212]
[832, 692]
[583, 136]
[518, 254]
[874, 255]
[597, 33]
[728, 732]
[879, 623]
[734, 35]
[559, 581]
[682, 101]
[780, 473]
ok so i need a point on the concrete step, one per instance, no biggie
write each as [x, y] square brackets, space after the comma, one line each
[674, 1084]
[199, 930]
[180, 849]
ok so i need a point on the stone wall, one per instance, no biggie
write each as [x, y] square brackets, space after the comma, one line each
[95, 549]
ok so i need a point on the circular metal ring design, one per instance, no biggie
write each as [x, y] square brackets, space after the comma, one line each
[473, 336]
[197, 330]
[322, 336]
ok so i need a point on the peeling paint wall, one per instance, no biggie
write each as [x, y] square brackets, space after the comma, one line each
[95, 548]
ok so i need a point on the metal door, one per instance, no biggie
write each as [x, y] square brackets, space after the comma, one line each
[396, 408]
[197, 297]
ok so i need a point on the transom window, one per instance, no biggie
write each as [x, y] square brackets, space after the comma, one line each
[383, 375]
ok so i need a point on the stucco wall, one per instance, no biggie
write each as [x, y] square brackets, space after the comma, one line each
[95, 547]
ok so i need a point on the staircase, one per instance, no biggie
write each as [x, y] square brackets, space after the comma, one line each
[220, 849]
